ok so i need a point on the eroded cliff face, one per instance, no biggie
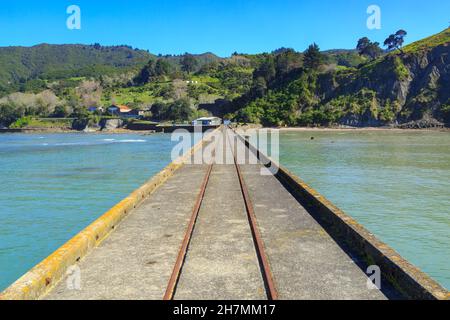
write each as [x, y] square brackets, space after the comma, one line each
[406, 87]
[429, 89]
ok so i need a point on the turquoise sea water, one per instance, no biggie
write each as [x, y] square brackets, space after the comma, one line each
[397, 184]
[53, 186]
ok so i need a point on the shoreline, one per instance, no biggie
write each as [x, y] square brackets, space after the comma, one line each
[245, 127]
[69, 131]
[343, 129]
[365, 129]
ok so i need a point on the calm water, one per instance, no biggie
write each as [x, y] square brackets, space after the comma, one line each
[53, 186]
[397, 184]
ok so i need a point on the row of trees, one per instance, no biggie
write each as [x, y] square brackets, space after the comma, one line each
[17, 105]
[177, 111]
[284, 60]
[372, 50]
[48, 104]
[155, 69]
[276, 66]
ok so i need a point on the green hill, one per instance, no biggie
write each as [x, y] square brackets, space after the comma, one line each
[439, 39]
[19, 64]
[403, 87]
[409, 88]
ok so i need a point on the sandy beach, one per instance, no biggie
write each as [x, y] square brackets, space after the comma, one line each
[301, 129]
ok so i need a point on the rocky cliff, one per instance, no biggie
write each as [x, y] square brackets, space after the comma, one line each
[407, 88]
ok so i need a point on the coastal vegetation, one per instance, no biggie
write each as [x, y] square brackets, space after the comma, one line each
[397, 86]
[62, 85]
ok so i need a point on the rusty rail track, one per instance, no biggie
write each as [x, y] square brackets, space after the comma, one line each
[173, 281]
[263, 261]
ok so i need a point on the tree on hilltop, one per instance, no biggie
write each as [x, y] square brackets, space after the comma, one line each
[162, 67]
[368, 48]
[395, 41]
[189, 63]
[266, 70]
[313, 58]
[152, 70]
[287, 61]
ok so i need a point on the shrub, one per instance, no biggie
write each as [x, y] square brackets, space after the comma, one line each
[21, 123]
[400, 69]
[445, 109]
[9, 114]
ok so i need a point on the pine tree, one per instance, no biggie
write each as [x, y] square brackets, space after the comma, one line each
[313, 59]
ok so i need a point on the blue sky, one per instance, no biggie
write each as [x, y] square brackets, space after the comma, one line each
[219, 26]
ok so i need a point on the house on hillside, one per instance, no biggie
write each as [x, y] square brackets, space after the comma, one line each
[119, 110]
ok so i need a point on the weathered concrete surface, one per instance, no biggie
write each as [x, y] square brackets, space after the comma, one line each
[136, 260]
[221, 262]
[306, 262]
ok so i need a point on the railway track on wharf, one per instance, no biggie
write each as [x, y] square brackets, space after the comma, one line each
[223, 231]
[261, 256]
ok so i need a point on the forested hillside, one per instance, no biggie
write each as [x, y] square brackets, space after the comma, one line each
[367, 86]
[47, 62]
[407, 84]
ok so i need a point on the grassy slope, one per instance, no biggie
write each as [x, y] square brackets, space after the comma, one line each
[210, 88]
[42, 123]
[430, 42]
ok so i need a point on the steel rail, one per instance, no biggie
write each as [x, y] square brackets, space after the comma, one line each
[271, 291]
[266, 272]
[173, 281]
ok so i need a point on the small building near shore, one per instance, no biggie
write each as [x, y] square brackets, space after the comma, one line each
[119, 110]
[114, 110]
[207, 121]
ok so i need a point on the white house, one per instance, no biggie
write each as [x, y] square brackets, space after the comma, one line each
[207, 121]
